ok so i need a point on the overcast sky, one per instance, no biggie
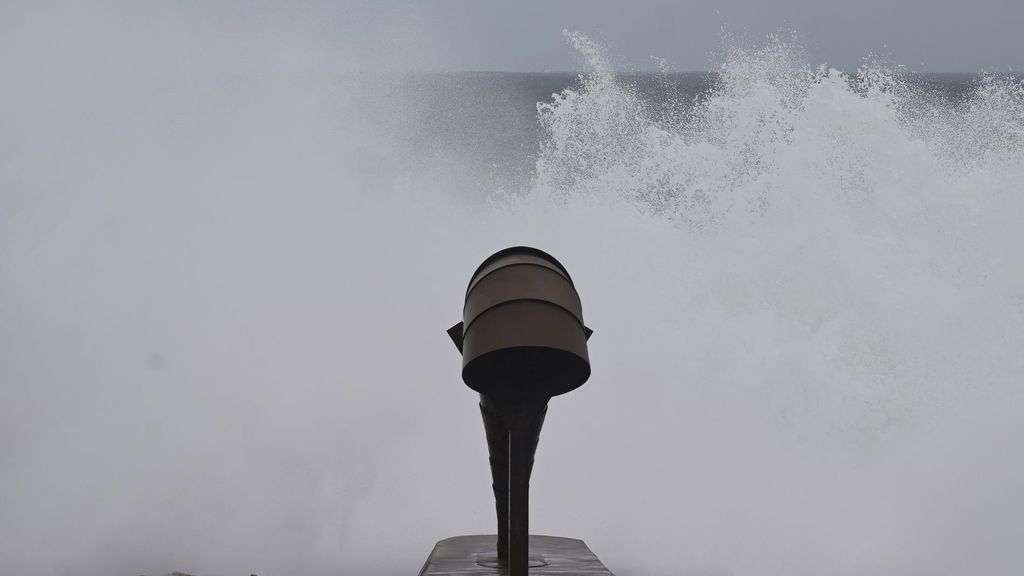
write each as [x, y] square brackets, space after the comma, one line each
[455, 35]
[933, 35]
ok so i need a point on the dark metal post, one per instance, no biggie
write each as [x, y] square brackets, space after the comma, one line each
[497, 448]
[524, 424]
[519, 503]
[513, 432]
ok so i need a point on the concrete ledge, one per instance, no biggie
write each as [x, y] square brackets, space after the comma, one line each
[475, 556]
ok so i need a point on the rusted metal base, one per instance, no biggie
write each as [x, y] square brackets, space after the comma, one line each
[474, 556]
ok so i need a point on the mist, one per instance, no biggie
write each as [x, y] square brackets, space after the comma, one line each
[229, 252]
[197, 225]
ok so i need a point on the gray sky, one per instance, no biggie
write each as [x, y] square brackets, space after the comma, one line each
[932, 35]
[454, 35]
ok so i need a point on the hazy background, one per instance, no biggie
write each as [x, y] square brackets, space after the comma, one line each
[230, 244]
[455, 35]
[923, 35]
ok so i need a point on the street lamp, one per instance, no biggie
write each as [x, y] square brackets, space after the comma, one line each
[523, 341]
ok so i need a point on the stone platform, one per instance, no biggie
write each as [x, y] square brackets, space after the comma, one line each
[475, 556]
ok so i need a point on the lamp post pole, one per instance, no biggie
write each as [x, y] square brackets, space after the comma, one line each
[513, 432]
[524, 434]
[518, 504]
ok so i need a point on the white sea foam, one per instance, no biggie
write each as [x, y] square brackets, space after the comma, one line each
[812, 294]
[222, 304]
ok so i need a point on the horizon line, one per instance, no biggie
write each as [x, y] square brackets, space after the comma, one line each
[683, 72]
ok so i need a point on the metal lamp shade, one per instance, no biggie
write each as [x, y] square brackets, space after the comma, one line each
[522, 333]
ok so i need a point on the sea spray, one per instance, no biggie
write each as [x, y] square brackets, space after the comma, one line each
[223, 298]
[815, 294]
